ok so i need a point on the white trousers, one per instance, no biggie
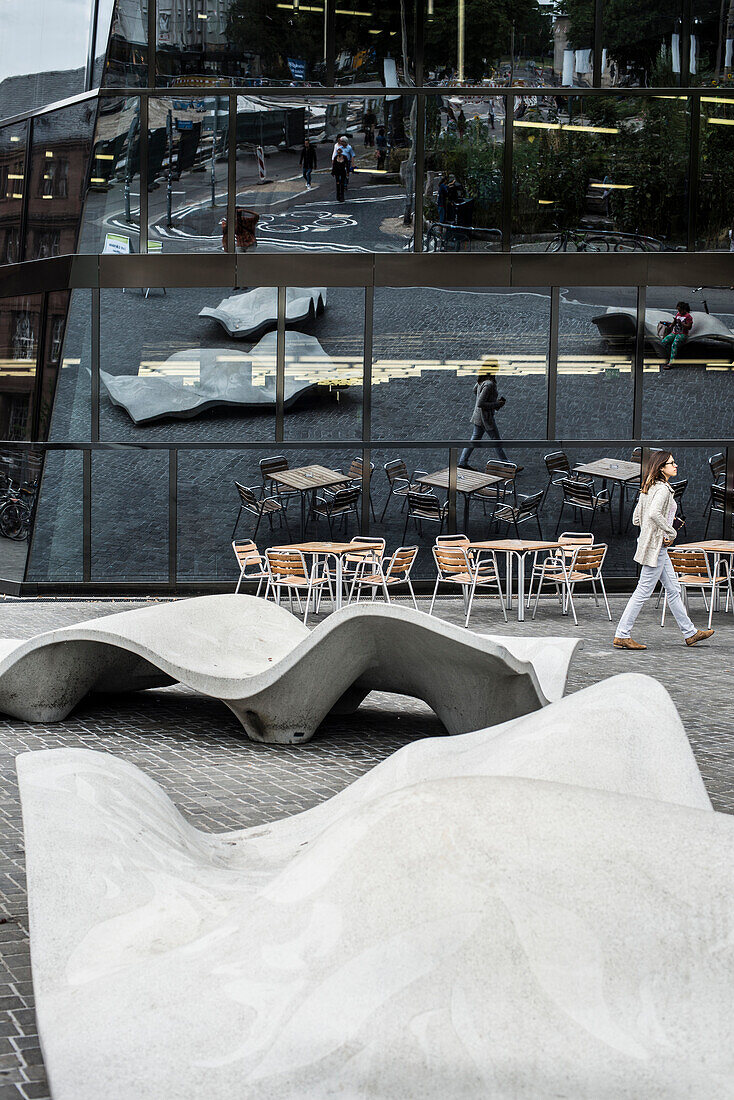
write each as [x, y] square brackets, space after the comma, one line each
[649, 576]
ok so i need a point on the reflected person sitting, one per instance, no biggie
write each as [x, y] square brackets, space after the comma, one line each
[486, 405]
[676, 333]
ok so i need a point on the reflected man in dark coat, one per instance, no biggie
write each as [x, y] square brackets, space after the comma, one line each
[486, 405]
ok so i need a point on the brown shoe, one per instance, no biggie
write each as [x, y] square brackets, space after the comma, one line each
[627, 643]
[699, 636]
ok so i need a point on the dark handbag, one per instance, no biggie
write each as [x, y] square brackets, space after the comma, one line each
[678, 523]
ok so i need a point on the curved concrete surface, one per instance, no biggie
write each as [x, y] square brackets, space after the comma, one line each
[251, 314]
[475, 917]
[619, 325]
[225, 379]
[278, 677]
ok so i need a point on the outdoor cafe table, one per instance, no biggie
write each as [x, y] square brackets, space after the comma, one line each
[515, 548]
[467, 482]
[306, 479]
[717, 547]
[620, 470]
[336, 550]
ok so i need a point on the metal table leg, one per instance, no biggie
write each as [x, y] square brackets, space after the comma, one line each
[521, 587]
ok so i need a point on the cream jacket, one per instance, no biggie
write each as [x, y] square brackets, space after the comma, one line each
[651, 516]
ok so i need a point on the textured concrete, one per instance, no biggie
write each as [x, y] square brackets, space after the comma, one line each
[251, 314]
[620, 325]
[441, 920]
[279, 678]
[219, 780]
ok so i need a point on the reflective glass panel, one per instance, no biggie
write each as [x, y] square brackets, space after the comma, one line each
[59, 162]
[642, 46]
[297, 197]
[68, 390]
[43, 53]
[462, 205]
[57, 549]
[20, 329]
[19, 474]
[600, 174]
[129, 515]
[712, 34]
[111, 219]
[596, 349]
[485, 44]
[105, 12]
[374, 43]
[715, 221]
[431, 345]
[170, 370]
[12, 187]
[324, 362]
[694, 397]
[127, 53]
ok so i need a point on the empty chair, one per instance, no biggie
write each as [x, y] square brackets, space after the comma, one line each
[693, 570]
[385, 574]
[679, 488]
[455, 566]
[274, 465]
[354, 481]
[721, 500]
[374, 551]
[425, 508]
[586, 567]
[287, 570]
[559, 468]
[498, 493]
[549, 563]
[527, 508]
[251, 562]
[717, 465]
[267, 506]
[339, 505]
[399, 483]
[580, 496]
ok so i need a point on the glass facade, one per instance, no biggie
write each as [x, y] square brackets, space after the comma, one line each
[274, 206]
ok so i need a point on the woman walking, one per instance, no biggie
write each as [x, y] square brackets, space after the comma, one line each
[654, 515]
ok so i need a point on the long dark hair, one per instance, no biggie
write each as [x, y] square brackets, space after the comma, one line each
[653, 469]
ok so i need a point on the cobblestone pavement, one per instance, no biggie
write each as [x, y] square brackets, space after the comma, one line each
[196, 750]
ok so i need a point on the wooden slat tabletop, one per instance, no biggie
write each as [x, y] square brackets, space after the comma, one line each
[330, 547]
[467, 481]
[516, 545]
[304, 478]
[715, 546]
[613, 469]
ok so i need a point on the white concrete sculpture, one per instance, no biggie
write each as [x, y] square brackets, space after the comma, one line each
[619, 326]
[540, 909]
[242, 381]
[278, 677]
[251, 314]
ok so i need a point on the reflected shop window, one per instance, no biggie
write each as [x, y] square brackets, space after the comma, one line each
[596, 345]
[21, 321]
[431, 345]
[59, 161]
[188, 364]
[649, 54]
[111, 220]
[692, 398]
[329, 175]
[715, 222]
[12, 188]
[127, 52]
[187, 173]
[585, 179]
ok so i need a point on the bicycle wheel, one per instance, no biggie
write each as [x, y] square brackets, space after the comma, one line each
[555, 245]
[13, 521]
[595, 244]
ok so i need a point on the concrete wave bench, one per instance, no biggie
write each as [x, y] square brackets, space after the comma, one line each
[279, 678]
[249, 315]
[538, 909]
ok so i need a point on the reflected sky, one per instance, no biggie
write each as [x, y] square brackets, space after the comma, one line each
[43, 36]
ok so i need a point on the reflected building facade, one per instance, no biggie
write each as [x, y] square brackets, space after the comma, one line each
[185, 292]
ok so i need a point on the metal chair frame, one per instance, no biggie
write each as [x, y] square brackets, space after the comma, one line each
[569, 542]
[455, 566]
[719, 495]
[287, 569]
[266, 506]
[693, 570]
[339, 505]
[515, 514]
[425, 508]
[400, 483]
[247, 554]
[395, 570]
[580, 496]
[585, 560]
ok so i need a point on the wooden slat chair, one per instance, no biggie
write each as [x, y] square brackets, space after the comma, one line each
[581, 498]
[400, 483]
[497, 494]
[721, 500]
[528, 508]
[559, 468]
[274, 465]
[717, 465]
[353, 480]
[693, 570]
[340, 505]
[554, 563]
[679, 488]
[354, 562]
[455, 566]
[287, 570]
[385, 574]
[251, 562]
[267, 506]
[586, 567]
[425, 508]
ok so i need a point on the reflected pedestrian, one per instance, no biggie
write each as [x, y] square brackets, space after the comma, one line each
[381, 145]
[486, 404]
[442, 199]
[308, 161]
[677, 332]
[655, 515]
[340, 170]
